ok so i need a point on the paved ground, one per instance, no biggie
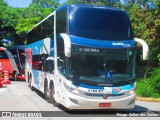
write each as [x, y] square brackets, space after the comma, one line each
[18, 97]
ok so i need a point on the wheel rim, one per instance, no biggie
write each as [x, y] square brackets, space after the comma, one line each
[47, 93]
[30, 83]
[15, 77]
[53, 94]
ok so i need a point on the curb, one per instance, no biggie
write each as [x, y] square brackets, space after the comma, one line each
[148, 99]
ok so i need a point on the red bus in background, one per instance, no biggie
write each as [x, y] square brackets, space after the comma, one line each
[18, 52]
[12, 60]
[7, 63]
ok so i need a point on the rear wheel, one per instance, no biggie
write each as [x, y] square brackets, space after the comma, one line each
[47, 93]
[15, 76]
[53, 96]
[30, 84]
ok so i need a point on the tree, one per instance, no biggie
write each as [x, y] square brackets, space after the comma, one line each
[155, 27]
[3, 5]
[52, 4]
[93, 2]
[38, 10]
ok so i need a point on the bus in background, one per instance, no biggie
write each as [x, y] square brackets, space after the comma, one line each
[18, 52]
[83, 57]
[7, 62]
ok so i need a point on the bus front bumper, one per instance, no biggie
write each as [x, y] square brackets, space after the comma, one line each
[74, 101]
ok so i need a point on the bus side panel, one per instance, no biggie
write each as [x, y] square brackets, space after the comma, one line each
[36, 56]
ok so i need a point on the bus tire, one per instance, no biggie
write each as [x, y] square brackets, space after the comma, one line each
[30, 84]
[53, 96]
[47, 93]
[15, 76]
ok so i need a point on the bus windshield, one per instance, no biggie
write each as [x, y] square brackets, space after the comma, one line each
[99, 24]
[3, 55]
[109, 65]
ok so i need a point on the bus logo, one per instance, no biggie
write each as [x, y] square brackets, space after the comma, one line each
[120, 44]
[105, 97]
[117, 89]
[117, 43]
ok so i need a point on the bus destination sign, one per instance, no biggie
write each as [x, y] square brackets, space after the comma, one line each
[90, 50]
[87, 50]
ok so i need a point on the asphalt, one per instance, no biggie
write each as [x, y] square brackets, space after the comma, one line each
[147, 99]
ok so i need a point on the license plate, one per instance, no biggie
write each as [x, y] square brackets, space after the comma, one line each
[101, 105]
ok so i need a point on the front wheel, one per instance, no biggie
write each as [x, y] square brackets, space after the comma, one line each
[47, 93]
[53, 96]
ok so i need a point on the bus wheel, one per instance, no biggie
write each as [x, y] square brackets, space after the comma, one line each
[47, 93]
[53, 96]
[30, 84]
[15, 76]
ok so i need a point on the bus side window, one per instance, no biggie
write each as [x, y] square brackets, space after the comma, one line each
[49, 66]
[3, 55]
[36, 62]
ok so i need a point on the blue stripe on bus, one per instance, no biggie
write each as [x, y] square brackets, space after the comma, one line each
[37, 46]
[101, 43]
[126, 87]
[121, 88]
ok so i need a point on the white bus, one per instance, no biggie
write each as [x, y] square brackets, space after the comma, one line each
[84, 57]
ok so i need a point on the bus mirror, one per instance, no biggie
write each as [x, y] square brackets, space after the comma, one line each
[67, 44]
[145, 48]
[60, 63]
[50, 58]
[61, 60]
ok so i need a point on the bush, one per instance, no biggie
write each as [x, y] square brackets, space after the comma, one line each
[144, 89]
[150, 87]
[155, 80]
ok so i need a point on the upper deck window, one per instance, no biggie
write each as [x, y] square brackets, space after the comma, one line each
[99, 23]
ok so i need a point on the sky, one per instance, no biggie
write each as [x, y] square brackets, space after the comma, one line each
[21, 3]
[18, 3]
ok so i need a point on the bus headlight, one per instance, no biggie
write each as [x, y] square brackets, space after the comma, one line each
[74, 90]
[130, 92]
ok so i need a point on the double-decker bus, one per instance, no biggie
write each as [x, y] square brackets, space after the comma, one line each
[18, 52]
[84, 57]
[7, 63]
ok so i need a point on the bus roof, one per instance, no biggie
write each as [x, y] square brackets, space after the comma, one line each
[87, 6]
[23, 47]
[77, 6]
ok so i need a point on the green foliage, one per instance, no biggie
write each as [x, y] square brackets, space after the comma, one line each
[150, 87]
[3, 5]
[25, 24]
[93, 2]
[144, 89]
[158, 57]
[155, 79]
[38, 10]
[23, 19]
